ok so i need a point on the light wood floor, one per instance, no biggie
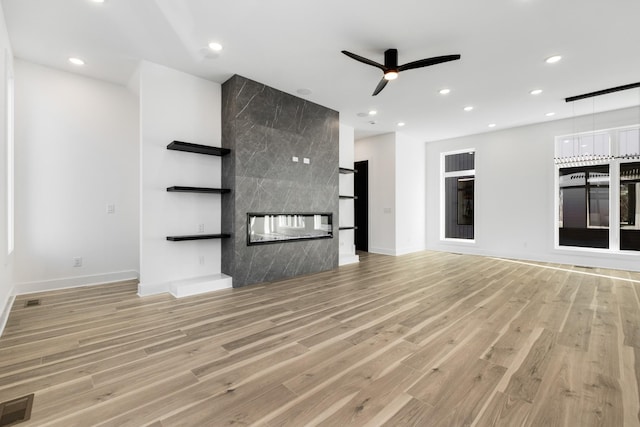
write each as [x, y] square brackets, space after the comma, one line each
[428, 339]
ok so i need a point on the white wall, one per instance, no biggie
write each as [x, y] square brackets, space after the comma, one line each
[6, 260]
[380, 152]
[410, 195]
[177, 106]
[397, 192]
[76, 153]
[514, 203]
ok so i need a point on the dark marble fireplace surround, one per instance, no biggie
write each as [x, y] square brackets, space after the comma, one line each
[265, 128]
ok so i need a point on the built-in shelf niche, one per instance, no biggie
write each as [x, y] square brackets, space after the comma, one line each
[197, 237]
[198, 149]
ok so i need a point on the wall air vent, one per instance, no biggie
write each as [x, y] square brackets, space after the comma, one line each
[32, 302]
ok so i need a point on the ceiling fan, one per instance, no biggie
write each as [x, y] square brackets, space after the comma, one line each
[391, 67]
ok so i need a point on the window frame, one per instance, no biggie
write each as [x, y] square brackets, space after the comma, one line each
[456, 174]
[613, 160]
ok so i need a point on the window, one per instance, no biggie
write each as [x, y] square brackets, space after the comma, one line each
[459, 195]
[584, 206]
[630, 206]
[598, 197]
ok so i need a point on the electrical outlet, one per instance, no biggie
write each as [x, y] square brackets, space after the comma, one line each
[306, 161]
[111, 208]
[294, 159]
[77, 261]
[200, 228]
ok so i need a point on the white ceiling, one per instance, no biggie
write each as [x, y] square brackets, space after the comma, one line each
[296, 44]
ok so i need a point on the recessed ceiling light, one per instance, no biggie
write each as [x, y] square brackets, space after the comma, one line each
[401, 124]
[444, 91]
[98, 1]
[304, 91]
[216, 47]
[468, 108]
[550, 114]
[76, 61]
[553, 59]
[372, 112]
[492, 125]
[536, 92]
[362, 114]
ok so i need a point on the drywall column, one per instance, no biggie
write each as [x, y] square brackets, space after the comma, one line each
[178, 106]
[411, 193]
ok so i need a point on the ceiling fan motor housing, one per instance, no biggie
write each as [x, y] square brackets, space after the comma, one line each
[391, 59]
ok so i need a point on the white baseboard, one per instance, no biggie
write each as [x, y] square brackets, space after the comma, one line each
[396, 252]
[73, 282]
[146, 289]
[409, 250]
[345, 259]
[187, 287]
[4, 315]
[382, 251]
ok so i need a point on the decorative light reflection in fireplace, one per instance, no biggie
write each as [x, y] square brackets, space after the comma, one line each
[284, 227]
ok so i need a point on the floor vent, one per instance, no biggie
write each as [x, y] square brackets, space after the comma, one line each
[15, 411]
[31, 303]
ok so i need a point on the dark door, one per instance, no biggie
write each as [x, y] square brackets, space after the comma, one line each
[361, 205]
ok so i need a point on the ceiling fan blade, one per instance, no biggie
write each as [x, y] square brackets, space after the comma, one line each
[364, 60]
[380, 86]
[427, 62]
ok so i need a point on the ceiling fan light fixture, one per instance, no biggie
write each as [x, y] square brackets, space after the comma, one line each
[553, 59]
[214, 46]
[391, 75]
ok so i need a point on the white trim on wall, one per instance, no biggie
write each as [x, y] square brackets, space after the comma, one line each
[73, 282]
[4, 314]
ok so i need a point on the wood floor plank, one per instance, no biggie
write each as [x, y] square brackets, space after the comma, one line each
[424, 339]
[504, 411]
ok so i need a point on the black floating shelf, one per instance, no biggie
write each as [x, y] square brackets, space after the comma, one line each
[179, 189]
[348, 197]
[198, 148]
[347, 228]
[197, 237]
[347, 170]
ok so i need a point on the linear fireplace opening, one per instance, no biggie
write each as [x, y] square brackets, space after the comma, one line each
[265, 228]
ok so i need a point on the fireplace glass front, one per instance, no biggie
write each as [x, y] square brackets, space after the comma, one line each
[285, 227]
